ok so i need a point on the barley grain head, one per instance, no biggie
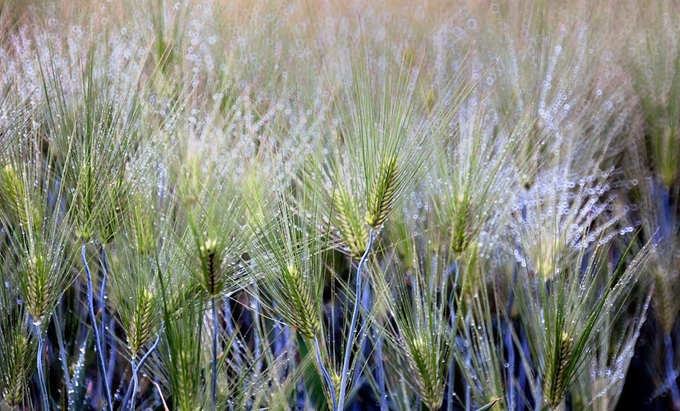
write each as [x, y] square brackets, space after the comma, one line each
[303, 312]
[141, 322]
[557, 375]
[40, 289]
[17, 351]
[381, 194]
[352, 228]
[13, 195]
[213, 278]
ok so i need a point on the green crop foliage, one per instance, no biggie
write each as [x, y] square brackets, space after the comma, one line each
[212, 204]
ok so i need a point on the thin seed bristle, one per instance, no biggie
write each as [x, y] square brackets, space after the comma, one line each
[353, 230]
[382, 196]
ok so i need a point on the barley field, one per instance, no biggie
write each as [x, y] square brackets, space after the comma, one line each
[339, 205]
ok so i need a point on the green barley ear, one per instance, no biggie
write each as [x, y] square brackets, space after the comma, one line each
[141, 322]
[14, 394]
[353, 230]
[665, 298]
[336, 379]
[288, 256]
[17, 353]
[425, 371]
[114, 205]
[181, 354]
[145, 236]
[213, 278]
[382, 193]
[547, 260]
[305, 318]
[556, 378]
[461, 226]
[84, 214]
[36, 271]
[186, 380]
[420, 330]
[14, 194]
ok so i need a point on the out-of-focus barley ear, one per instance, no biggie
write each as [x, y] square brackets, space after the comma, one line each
[141, 322]
[382, 193]
[211, 267]
[304, 315]
[471, 282]
[556, 377]
[546, 265]
[430, 99]
[84, 214]
[186, 381]
[142, 225]
[14, 195]
[664, 299]
[182, 353]
[113, 207]
[461, 226]
[353, 230]
[668, 154]
[146, 238]
[18, 354]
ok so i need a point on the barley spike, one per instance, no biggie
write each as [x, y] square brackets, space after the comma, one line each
[382, 195]
[303, 310]
[353, 230]
[557, 377]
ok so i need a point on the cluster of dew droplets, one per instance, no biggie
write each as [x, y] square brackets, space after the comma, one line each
[575, 211]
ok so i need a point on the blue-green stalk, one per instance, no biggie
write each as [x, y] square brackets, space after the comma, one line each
[213, 387]
[134, 383]
[326, 377]
[41, 372]
[353, 324]
[93, 318]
